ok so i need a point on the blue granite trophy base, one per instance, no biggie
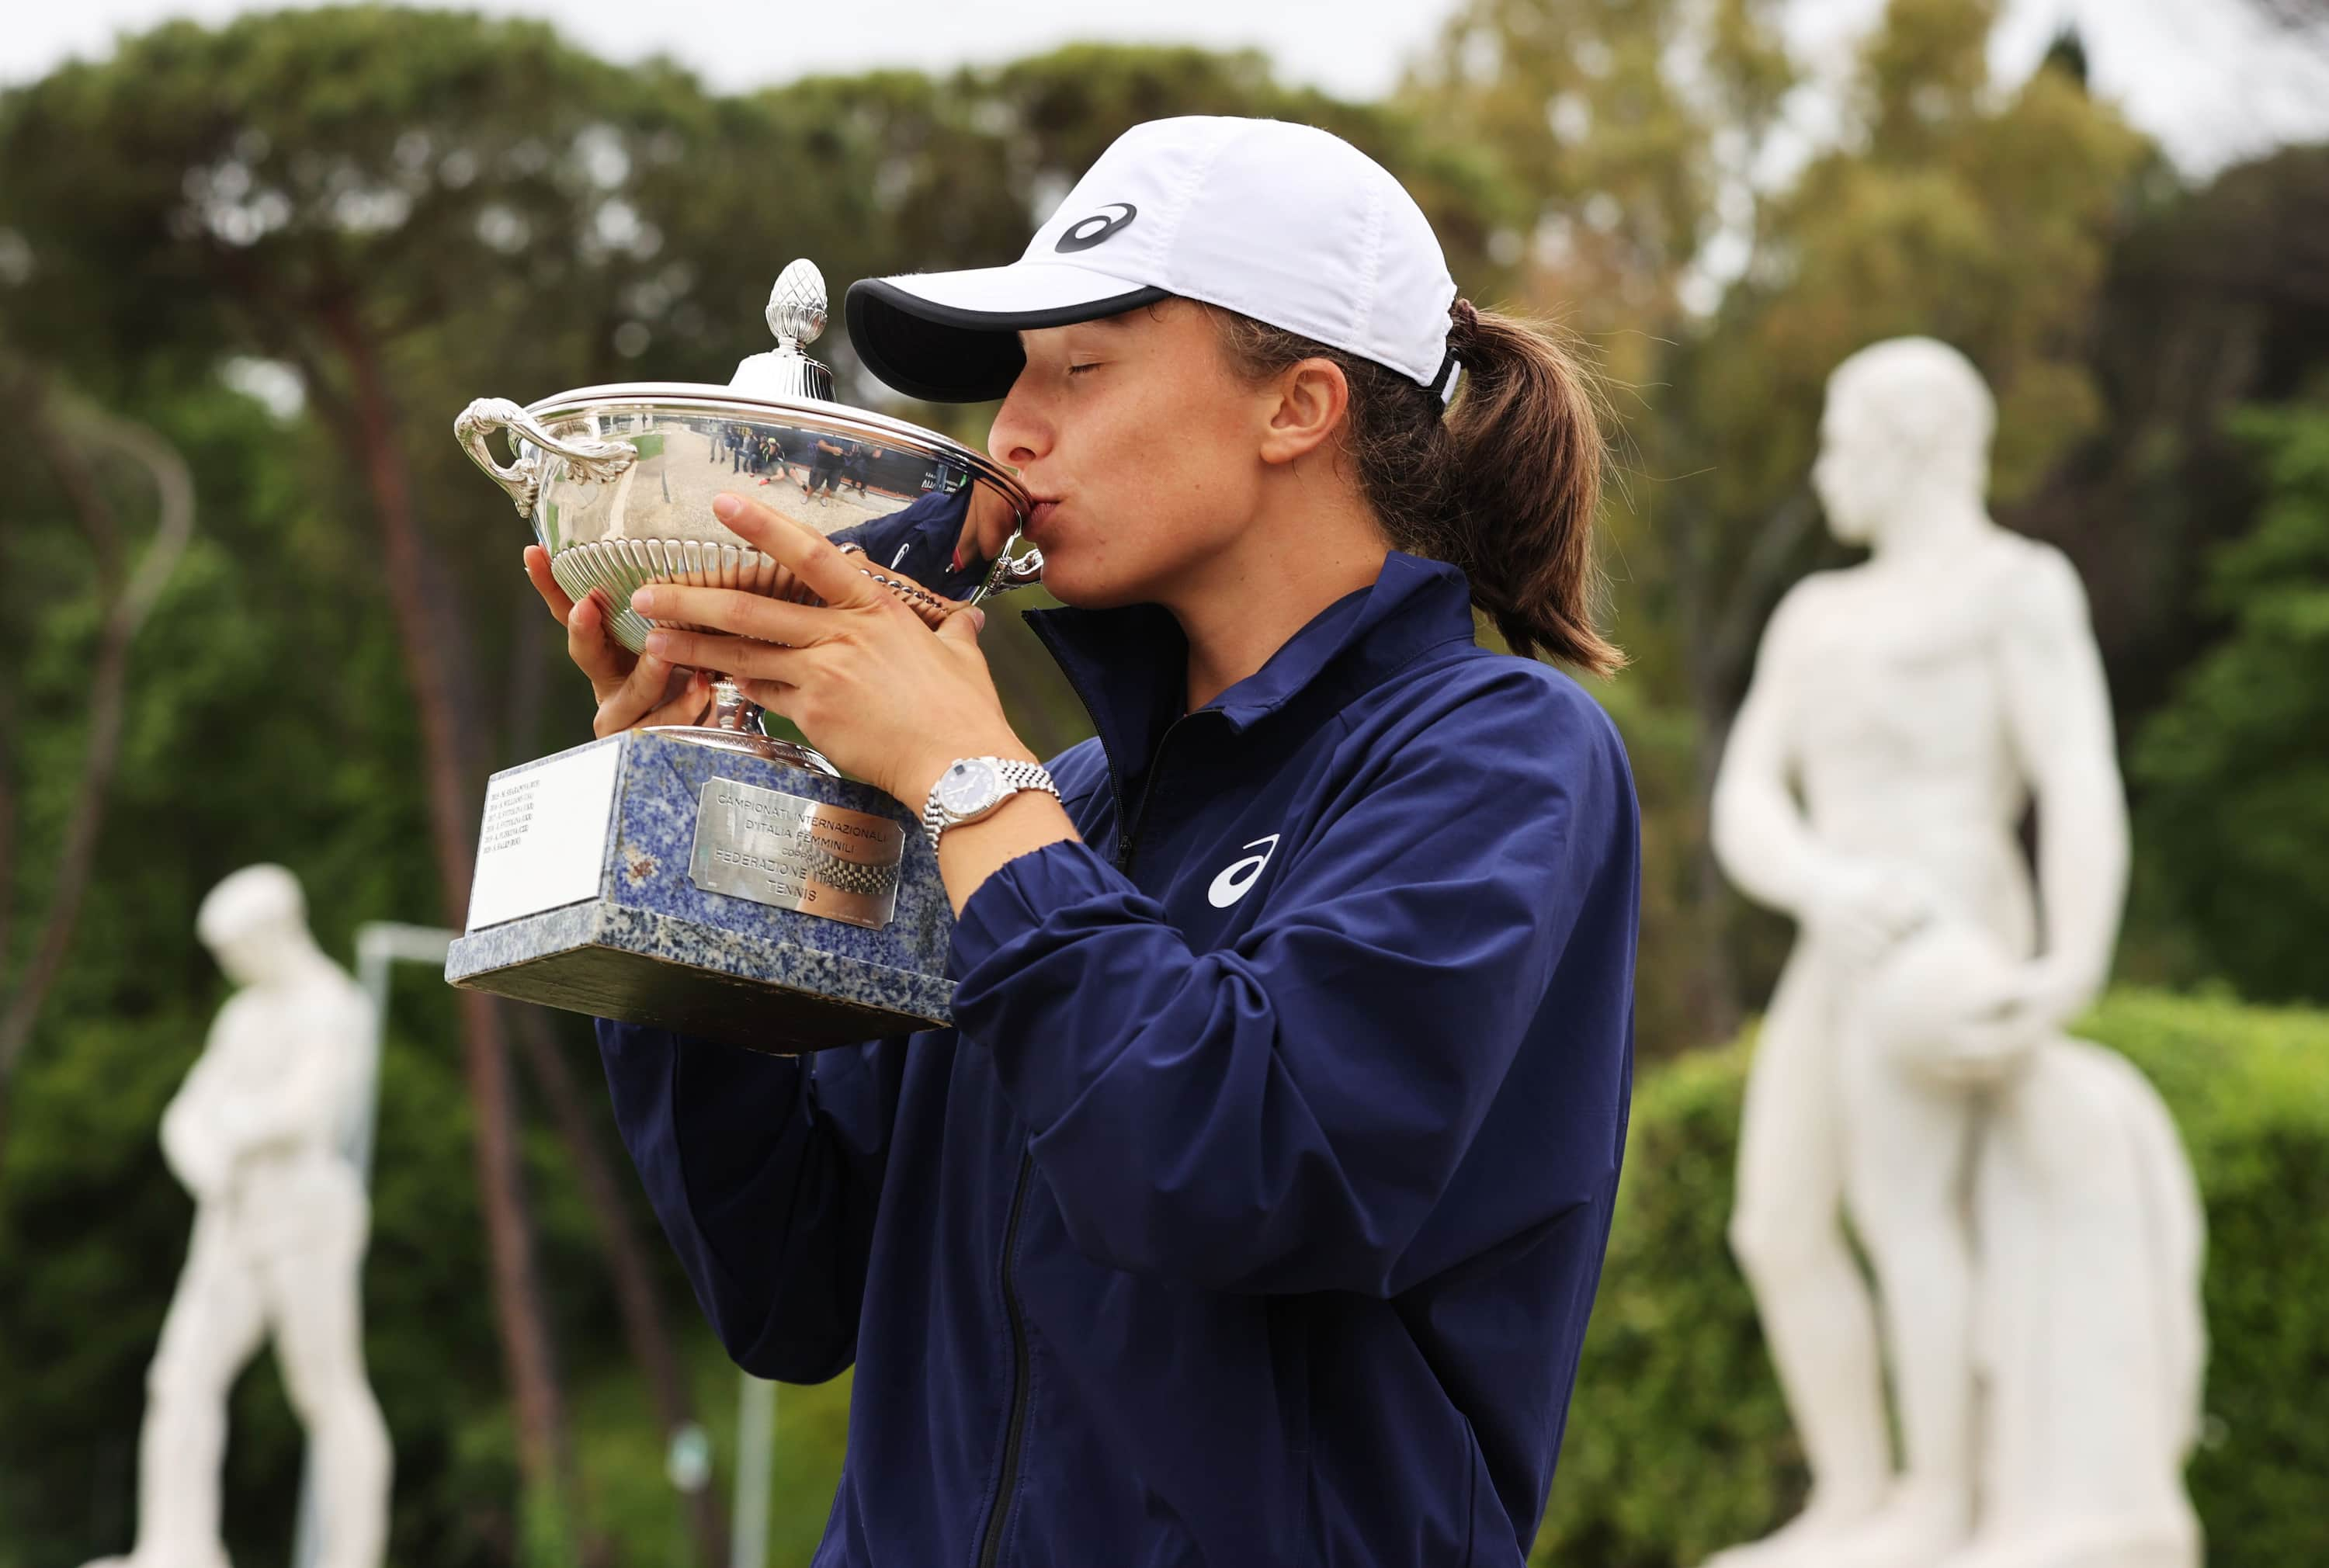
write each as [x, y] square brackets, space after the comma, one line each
[662, 882]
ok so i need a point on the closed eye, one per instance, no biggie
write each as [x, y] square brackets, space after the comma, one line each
[1088, 365]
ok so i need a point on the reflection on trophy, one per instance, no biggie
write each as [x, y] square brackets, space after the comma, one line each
[714, 878]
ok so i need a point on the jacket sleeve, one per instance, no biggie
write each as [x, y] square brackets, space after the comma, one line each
[1284, 1114]
[918, 539]
[765, 1172]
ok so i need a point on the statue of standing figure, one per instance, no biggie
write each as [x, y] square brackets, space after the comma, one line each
[263, 1133]
[2021, 1195]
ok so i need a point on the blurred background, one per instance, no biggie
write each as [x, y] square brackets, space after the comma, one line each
[256, 607]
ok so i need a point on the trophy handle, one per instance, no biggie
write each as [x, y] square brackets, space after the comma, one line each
[598, 460]
[1011, 572]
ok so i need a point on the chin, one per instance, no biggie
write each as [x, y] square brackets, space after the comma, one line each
[1068, 577]
[1060, 579]
[1077, 594]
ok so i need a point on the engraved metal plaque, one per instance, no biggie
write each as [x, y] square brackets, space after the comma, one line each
[797, 854]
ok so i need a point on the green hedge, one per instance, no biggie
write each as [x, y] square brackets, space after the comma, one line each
[1678, 1443]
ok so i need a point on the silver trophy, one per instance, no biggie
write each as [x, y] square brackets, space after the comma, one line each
[617, 482]
[714, 878]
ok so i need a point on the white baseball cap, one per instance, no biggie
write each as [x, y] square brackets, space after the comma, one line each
[1288, 224]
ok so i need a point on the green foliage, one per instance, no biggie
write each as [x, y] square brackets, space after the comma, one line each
[628, 1502]
[267, 721]
[1979, 217]
[1622, 120]
[470, 207]
[2209, 308]
[1679, 1443]
[490, 211]
[82, 1300]
[1718, 296]
[2235, 769]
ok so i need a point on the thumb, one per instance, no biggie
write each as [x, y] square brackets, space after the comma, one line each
[964, 625]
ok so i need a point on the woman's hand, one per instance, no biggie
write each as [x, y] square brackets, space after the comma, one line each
[631, 690]
[861, 675]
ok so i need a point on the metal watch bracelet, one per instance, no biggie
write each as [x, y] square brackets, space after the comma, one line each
[1016, 775]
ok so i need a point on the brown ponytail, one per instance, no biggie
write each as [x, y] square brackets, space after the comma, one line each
[1504, 485]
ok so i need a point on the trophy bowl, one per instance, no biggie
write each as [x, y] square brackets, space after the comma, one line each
[711, 878]
[617, 481]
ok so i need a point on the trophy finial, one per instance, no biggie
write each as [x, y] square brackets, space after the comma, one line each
[796, 305]
[795, 313]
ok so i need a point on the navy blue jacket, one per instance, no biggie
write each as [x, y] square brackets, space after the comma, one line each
[1252, 1210]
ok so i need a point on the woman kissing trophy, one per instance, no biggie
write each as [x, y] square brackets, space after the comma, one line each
[662, 875]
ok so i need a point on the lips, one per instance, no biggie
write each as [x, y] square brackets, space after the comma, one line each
[1038, 514]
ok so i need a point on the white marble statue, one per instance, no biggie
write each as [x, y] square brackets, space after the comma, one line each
[261, 1134]
[2021, 1197]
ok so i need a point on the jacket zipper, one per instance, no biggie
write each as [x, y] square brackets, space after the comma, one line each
[1014, 1431]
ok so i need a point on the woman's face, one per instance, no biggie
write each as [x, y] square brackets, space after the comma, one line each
[1141, 448]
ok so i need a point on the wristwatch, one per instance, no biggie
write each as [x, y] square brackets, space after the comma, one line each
[973, 786]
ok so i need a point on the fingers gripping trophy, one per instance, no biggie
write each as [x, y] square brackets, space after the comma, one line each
[690, 870]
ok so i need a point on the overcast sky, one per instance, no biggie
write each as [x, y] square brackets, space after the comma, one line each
[2202, 75]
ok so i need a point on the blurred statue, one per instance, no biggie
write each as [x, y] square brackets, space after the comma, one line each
[262, 1133]
[2022, 1196]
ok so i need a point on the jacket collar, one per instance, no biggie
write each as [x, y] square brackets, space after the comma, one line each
[1130, 664]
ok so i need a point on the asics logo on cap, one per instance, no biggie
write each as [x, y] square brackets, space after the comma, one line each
[1082, 236]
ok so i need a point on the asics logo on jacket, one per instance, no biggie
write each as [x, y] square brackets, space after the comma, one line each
[1237, 880]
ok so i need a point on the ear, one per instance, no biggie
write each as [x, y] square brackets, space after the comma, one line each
[1311, 399]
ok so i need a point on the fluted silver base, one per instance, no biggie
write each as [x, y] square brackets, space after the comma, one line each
[623, 566]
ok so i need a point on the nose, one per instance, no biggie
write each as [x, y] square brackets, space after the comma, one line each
[1022, 432]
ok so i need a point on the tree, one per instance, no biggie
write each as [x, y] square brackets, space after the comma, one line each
[59, 430]
[2235, 767]
[1946, 205]
[2215, 300]
[263, 719]
[1639, 125]
[1633, 126]
[408, 211]
[318, 189]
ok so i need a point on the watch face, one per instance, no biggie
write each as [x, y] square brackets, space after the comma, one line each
[970, 785]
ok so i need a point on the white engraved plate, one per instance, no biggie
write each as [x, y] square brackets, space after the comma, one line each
[797, 854]
[545, 835]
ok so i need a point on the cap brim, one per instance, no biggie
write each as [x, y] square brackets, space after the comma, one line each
[953, 337]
